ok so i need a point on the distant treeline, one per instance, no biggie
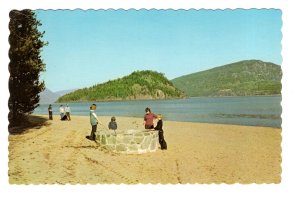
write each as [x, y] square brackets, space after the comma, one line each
[138, 85]
[245, 78]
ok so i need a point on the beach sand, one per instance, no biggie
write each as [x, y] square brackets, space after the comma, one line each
[59, 153]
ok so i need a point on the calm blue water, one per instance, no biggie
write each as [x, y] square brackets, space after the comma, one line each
[253, 111]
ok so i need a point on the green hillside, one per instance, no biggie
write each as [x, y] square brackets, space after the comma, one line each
[138, 85]
[249, 77]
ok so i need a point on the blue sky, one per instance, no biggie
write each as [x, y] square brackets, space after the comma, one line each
[94, 46]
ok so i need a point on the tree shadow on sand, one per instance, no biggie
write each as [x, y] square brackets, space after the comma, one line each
[28, 122]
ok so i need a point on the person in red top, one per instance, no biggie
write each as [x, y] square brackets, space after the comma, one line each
[148, 119]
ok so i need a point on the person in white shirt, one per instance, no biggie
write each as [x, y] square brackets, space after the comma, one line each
[61, 111]
[68, 112]
[94, 122]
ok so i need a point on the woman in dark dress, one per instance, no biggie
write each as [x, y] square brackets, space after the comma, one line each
[161, 139]
[50, 112]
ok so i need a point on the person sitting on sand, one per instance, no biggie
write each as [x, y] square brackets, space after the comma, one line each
[94, 121]
[112, 124]
[161, 139]
[148, 119]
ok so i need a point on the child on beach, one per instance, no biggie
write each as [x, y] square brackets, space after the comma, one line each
[161, 139]
[94, 121]
[112, 124]
[148, 119]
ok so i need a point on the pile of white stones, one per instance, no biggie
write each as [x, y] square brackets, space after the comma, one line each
[128, 141]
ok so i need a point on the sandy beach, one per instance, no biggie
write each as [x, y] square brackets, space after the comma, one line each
[59, 153]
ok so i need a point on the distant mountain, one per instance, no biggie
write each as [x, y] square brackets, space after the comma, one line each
[138, 85]
[47, 96]
[249, 77]
[63, 92]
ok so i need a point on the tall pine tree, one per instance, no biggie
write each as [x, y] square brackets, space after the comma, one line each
[25, 64]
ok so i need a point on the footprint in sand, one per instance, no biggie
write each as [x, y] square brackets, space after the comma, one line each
[46, 155]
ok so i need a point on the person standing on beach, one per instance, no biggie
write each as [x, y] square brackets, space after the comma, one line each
[68, 112]
[94, 121]
[61, 111]
[148, 118]
[161, 138]
[50, 112]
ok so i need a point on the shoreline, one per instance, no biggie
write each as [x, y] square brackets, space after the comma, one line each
[140, 118]
[197, 153]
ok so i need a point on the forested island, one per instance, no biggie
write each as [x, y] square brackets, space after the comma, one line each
[136, 86]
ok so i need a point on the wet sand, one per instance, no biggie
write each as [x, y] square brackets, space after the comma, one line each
[59, 153]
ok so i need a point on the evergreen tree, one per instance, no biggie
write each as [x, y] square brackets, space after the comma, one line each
[25, 64]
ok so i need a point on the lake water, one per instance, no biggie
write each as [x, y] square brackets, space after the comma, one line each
[253, 111]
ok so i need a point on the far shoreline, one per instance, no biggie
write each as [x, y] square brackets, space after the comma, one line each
[187, 97]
